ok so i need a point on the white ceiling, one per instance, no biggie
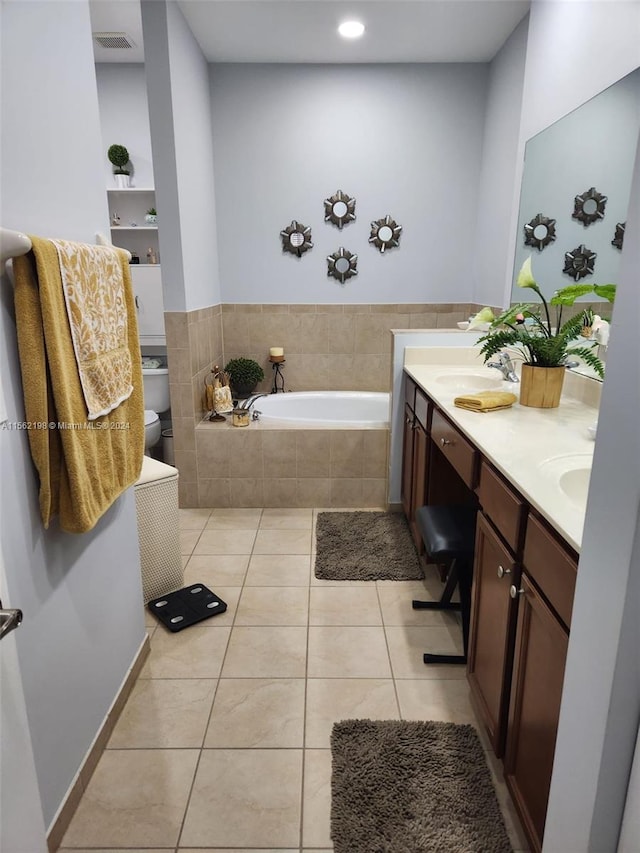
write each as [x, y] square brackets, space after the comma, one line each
[305, 30]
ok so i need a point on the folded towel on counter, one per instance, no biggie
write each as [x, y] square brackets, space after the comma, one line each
[486, 401]
[83, 465]
[93, 287]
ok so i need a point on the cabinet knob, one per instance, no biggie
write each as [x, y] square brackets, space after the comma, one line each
[444, 442]
[514, 592]
[137, 300]
[502, 571]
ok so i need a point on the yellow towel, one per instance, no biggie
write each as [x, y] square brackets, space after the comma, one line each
[486, 401]
[83, 465]
[93, 288]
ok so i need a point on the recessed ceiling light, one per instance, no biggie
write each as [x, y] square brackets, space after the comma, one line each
[351, 29]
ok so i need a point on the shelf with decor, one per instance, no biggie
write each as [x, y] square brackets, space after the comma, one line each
[128, 209]
[134, 227]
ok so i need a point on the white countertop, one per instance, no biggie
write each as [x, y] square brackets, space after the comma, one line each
[518, 440]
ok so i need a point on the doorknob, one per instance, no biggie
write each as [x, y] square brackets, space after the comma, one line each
[9, 619]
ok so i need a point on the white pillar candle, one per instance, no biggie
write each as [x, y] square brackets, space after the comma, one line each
[276, 351]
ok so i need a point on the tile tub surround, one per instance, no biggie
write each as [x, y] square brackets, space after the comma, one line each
[237, 758]
[263, 465]
[327, 347]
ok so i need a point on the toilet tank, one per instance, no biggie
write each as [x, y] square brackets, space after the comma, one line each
[156, 388]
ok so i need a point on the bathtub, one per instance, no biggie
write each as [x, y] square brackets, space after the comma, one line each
[331, 409]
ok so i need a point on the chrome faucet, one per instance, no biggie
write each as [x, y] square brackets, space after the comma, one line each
[505, 366]
[246, 404]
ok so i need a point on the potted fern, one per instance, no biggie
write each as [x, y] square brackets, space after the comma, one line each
[245, 374]
[119, 157]
[543, 347]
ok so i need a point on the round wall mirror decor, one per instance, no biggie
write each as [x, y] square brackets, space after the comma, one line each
[539, 232]
[385, 233]
[342, 264]
[296, 238]
[589, 207]
[619, 236]
[339, 209]
[579, 263]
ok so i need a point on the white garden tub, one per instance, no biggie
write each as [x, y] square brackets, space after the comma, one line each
[359, 409]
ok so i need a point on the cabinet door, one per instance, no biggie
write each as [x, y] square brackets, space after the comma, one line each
[540, 656]
[419, 481]
[147, 287]
[493, 614]
[407, 461]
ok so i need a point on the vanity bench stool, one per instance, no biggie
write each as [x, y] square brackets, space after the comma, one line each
[448, 533]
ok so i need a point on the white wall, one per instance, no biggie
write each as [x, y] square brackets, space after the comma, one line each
[124, 118]
[403, 140]
[81, 595]
[493, 264]
[180, 116]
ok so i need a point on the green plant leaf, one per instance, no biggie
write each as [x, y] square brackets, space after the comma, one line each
[589, 357]
[607, 291]
[568, 295]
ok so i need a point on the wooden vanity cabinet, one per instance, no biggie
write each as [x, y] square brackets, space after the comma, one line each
[415, 456]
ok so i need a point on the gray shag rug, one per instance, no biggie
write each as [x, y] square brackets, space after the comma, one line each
[412, 787]
[365, 546]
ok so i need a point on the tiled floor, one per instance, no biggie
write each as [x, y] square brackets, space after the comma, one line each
[224, 742]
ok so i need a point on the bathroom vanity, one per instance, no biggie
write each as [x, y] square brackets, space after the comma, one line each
[527, 471]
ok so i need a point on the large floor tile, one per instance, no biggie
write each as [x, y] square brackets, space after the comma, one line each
[279, 570]
[330, 700]
[193, 653]
[273, 605]
[245, 797]
[266, 653]
[188, 540]
[447, 700]
[136, 797]
[286, 519]
[193, 519]
[283, 542]
[396, 602]
[234, 519]
[238, 541]
[257, 713]
[317, 798]
[346, 605]
[340, 652]
[223, 569]
[408, 645]
[164, 713]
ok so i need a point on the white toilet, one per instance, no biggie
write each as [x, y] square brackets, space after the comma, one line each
[156, 399]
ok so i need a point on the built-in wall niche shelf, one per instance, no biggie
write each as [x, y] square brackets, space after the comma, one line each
[134, 227]
[129, 205]
[127, 190]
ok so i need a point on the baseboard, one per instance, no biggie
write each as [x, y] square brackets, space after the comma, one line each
[61, 821]
[393, 507]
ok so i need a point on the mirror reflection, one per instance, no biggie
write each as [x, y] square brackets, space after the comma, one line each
[296, 238]
[593, 149]
[339, 209]
[385, 233]
[342, 264]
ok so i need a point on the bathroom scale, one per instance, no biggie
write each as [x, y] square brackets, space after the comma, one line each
[186, 606]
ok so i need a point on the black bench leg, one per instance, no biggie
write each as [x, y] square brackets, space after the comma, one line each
[444, 602]
[464, 580]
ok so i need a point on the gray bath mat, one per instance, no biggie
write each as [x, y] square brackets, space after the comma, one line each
[365, 546]
[412, 787]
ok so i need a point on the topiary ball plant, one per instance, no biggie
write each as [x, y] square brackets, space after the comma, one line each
[119, 156]
[245, 374]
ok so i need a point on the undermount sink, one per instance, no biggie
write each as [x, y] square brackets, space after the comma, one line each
[571, 473]
[470, 381]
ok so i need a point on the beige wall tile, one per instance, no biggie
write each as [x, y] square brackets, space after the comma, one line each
[175, 401]
[186, 465]
[346, 453]
[341, 373]
[375, 453]
[307, 373]
[184, 436]
[211, 459]
[363, 308]
[374, 492]
[246, 492]
[312, 453]
[313, 492]
[346, 492]
[235, 331]
[273, 308]
[179, 362]
[187, 494]
[245, 453]
[175, 326]
[314, 333]
[341, 337]
[448, 320]
[303, 309]
[279, 453]
[372, 372]
[330, 309]
[268, 330]
[427, 320]
[214, 493]
[279, 492]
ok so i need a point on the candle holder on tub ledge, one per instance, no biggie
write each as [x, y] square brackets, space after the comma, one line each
[276, 357]
[217, 395]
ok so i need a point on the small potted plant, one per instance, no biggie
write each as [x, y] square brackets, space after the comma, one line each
[151, 216]
[543, 347]
[245, 375]
[119, 157]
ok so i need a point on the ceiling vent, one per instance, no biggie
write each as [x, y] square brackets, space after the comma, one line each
[117, 41]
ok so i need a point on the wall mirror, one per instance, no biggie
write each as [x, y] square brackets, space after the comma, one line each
[579, 263]
[593, 146]
[618, 238]
[540, 232]
[342, 264]
[296, 238]
[385, 233]
[340, 209]
[589, 207]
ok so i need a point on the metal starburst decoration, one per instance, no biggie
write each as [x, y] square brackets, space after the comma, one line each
[619, 235]
[296, 238]
[340, 209]
[342, 264]
[589, 207]
[579, 263]
[540, 232]
[385, 233]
